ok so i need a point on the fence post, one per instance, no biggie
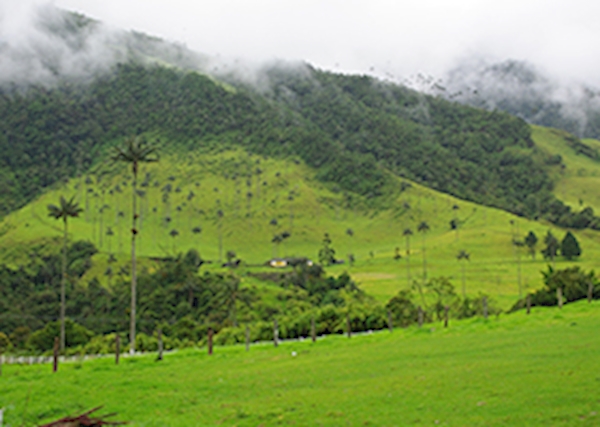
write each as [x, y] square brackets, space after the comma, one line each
[420, 316]
[389, 319]
[313, 329]
[247, 338]
[210, 341]
[590, 294]
[446, 309]
[528, 303]
[160, 345]
[559, 297]
[485, 308]
[117, 349]
[55, 355]
[275, 333]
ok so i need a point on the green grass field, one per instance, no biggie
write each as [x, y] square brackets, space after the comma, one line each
[536, 370]
[313, 209]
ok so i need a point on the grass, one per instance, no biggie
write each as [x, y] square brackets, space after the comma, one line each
[314, 209]
[512, 370]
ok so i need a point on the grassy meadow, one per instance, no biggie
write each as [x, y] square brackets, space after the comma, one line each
[182, 193]
[535, 370]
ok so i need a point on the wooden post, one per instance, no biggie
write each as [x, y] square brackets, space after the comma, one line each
[247, 338]
[210, 341]
[313, 329]
[528, 303]
[446, 309]
[485, 308]
[275, 333]
[420, 316]
[590, 294]
[348, 326]
[117, 349]
[559, 297]
[389, 319]
[160, 345]
[55, 355]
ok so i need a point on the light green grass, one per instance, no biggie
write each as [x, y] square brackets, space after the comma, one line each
[484, 232]
[535, 370]
[577, 185]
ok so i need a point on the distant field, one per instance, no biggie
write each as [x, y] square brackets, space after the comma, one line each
[537, 370]
[287, 192]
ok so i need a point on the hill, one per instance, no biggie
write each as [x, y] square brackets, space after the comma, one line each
[276, 196]
[520, 89]
[535, 370]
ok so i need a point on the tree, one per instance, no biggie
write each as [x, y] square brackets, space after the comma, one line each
[407, 233]
[134, 151]
[569, 247]
[423, 228]
[463, 256]
[66, 209]
[110, 233]
[327, 253]
[174, 233]
[279, 238]
[531, 241]
[551, 248]
[229, 293]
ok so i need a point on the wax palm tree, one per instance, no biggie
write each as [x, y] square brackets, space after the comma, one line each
[65, 210]
[134, 151]
[463, 255]
[174, 233]
[423, 228]
[229, 293]
[407, 233]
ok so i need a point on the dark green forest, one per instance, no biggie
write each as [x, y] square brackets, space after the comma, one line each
[354, 130]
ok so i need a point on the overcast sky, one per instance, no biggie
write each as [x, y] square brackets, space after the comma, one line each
[399, 37]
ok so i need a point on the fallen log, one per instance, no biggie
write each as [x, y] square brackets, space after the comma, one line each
[84, 420]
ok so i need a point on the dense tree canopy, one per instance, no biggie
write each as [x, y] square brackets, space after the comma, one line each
[354, 130]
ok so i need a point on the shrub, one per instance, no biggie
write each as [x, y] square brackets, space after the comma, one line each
[43, 339]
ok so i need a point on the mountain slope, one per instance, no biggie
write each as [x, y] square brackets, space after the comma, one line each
[182, 194]
[356, 131]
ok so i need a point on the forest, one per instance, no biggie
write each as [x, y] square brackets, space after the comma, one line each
[354, 130]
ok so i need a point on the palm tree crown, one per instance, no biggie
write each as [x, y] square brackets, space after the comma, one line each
[463, 255]
[65, 209]
[135, 151]
[423, 227]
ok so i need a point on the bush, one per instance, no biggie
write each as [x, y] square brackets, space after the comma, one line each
[43, 339]
[5, 343]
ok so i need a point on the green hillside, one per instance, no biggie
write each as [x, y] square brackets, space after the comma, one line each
[287, 191]
[535, 370]
[577, 183]
[357, 132]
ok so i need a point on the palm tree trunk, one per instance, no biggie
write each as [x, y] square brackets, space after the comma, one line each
[220, 242]
[133, 265]
[408, 261]
[424, 261]
[62, 289]
[464, 288]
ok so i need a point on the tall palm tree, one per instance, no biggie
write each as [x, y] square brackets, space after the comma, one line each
[463, 255]
[423, 228]
[65, 209]
[134, 151]
[407, 233]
